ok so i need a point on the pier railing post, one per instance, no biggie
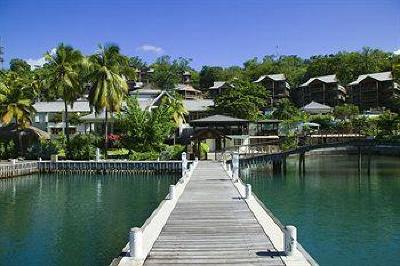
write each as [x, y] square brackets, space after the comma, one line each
[184, 164]
[248, 191]
[290, 240]
[235, 166]
[97, 154]
[136, 243]
[172, 192]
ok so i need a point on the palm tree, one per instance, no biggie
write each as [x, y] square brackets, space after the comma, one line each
[108, 83]
[15, 106]
[177, 109]
[63, 77]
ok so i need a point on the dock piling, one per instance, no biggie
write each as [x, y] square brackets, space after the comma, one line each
[172, 192]
[235, 165]
[248, 191]
[136, 243]
[184, 164]
[290, 240]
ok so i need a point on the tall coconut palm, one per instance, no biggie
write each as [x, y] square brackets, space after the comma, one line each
[108, 83]
[63, 77]
[15, 107]
[177, 110]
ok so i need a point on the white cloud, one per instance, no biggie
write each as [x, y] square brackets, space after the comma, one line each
[397, 52]
[35, 63]
[151, 48]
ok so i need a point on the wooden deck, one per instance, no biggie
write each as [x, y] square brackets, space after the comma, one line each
[211, 224]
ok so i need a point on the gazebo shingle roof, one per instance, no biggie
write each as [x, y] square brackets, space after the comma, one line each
[219, 118]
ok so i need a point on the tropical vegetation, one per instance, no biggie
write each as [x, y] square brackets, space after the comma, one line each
[104, 76]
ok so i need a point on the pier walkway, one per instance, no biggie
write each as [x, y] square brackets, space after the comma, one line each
[210, 219]
[212, 224]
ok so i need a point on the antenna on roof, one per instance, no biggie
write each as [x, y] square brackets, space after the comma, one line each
[1, 55]
[277, 51]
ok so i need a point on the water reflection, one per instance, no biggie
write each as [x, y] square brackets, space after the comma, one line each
[66, 219]
[344, 217]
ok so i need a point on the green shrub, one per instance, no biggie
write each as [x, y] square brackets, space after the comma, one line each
[43, 149]
[325, 121]
[204, 149]
[8, 150]
[289, 143]
[82, 147]
[144, 156]
[173, 152]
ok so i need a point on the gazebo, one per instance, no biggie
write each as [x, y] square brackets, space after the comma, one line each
[216, 129]
[317, 108]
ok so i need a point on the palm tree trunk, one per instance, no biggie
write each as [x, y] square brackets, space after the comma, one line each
[66, 128]
[105, 134]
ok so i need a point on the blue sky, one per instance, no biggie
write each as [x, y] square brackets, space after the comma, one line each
[219, 32]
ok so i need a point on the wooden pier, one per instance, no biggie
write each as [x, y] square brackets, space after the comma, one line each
[214, 220]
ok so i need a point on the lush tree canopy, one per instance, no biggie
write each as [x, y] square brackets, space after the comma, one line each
[19, 65]
[168, 73]
[245, 100]
[143, 130]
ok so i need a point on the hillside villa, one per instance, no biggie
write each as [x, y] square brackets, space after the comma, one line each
[374, 91]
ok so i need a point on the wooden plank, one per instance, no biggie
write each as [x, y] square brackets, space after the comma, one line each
[211, 224]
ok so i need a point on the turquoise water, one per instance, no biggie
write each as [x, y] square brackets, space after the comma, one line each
[342, 217]
[73, 219]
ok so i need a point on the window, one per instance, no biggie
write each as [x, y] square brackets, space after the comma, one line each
[237, 142]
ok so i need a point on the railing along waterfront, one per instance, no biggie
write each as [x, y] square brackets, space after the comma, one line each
[110, 166]
[18, 168]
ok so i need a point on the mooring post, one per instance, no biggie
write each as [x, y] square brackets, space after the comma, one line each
[248, 191]
[235, 166]
[284, 165]
[184, 164]
[359, 160]
[172, 192]
[369, 161]
[302, 163]
[290, 240]
[136, 243]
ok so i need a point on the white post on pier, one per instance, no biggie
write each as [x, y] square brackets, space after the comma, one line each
[235, 166]
[184, 164]
[136, 243]
[97, 154]
[248, 191]
[172, 192]
[290, 240]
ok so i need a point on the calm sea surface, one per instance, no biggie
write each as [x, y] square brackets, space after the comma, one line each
[73, 219]
[342, 217]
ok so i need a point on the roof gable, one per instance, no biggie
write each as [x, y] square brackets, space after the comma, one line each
[323, 79]
[381, 76]
[274, 77]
